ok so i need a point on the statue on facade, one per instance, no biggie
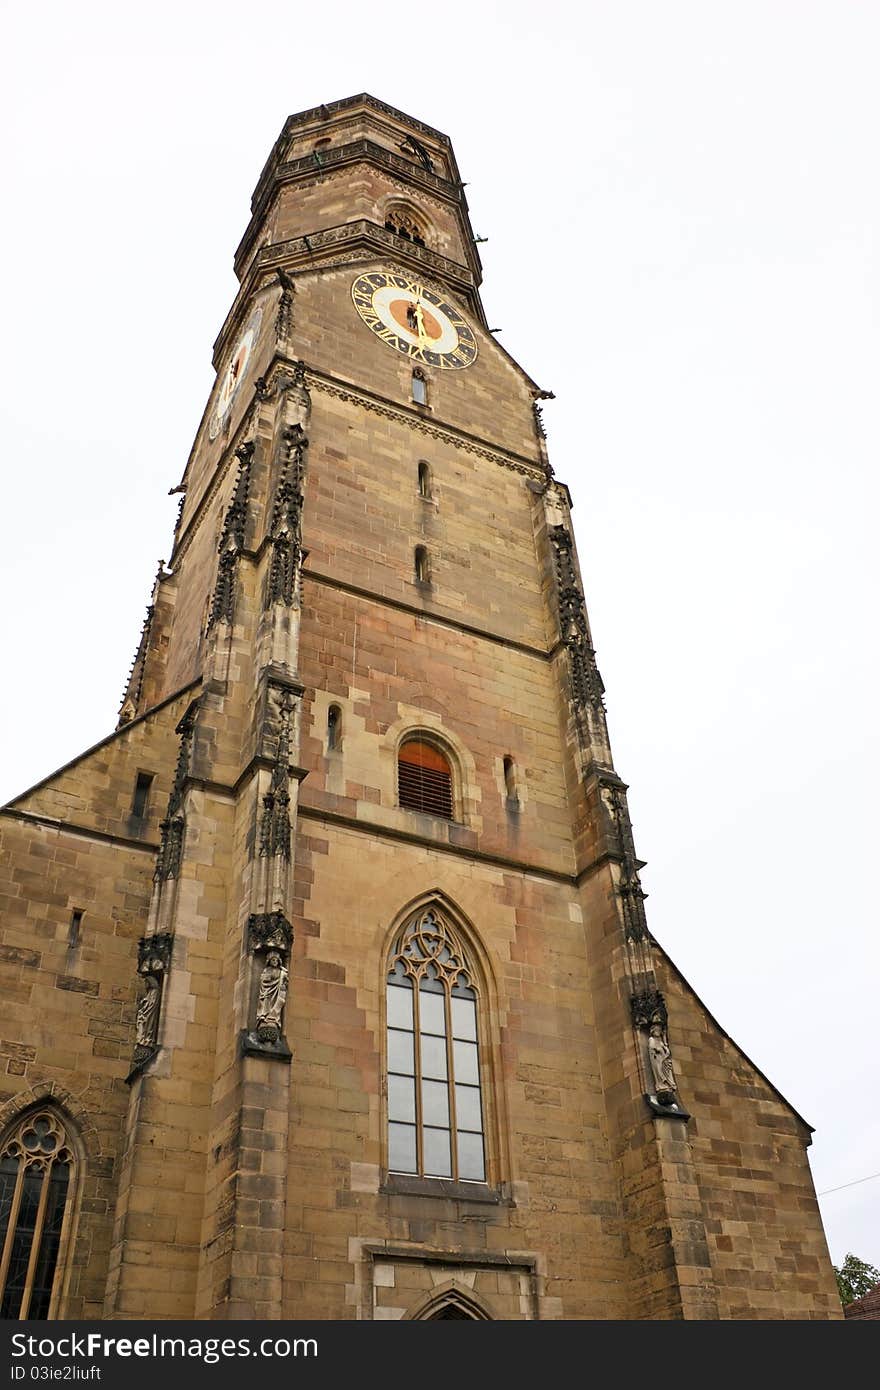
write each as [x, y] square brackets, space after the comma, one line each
[154, 956]
[660, 1057]
[271, 998]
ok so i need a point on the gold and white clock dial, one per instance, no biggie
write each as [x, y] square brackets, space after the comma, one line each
[234, 374]
[414, 320]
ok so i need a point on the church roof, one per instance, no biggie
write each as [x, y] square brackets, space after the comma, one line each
[868, 1306]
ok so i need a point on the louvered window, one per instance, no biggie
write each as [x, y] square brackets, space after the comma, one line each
[424, 779]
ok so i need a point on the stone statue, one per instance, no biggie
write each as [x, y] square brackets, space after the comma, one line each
[146, 1021]
[660, 1058]
[272, 998]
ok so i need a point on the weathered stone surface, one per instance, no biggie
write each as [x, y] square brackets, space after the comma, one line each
[224, 1181]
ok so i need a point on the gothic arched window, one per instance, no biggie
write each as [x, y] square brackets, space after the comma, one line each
[435, 1112]
[405, 224]
[38, 1176]
[424, 779]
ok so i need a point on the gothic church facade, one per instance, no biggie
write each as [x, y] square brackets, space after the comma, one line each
[328, 990]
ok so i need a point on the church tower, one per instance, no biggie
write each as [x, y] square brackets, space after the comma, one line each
[329, 991]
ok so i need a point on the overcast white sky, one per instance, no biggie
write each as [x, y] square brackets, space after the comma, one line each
[681, 202]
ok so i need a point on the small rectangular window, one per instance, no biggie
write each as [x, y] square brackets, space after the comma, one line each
[141, 794]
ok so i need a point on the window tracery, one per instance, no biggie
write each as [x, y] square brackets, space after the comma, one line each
[38, 1175]
[435, 1110]
[402, 222]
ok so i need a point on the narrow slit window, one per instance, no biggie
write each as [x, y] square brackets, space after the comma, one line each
[419, 387]
[420, 565]
[334, 727]
[74, 931]
[510, 777]
[141, 799]
[424, 479]
[424, 779]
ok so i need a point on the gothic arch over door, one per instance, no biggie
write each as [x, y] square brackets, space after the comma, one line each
[451, 1303]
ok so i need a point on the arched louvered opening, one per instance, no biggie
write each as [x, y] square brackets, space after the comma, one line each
[424, 779]
[38, 1182]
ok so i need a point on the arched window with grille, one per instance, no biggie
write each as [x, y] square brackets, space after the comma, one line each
[405, 224]
[39, 1173]
[435, 1109]
[424, 779]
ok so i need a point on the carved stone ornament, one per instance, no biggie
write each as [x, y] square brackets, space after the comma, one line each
[154, 958]
[650, 1017]
[275, 818]
[135, 682]
[270, 937]
[231, 541]
[284, 316]
[271, 998]
[269, 931]
[647, 1006]
[586, 683]
[285, 529]
[171, 829]
[635, 922]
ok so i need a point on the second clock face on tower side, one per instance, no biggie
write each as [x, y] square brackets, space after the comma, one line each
[413, 320]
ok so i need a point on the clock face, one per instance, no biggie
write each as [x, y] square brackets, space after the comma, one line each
[413, 320]
[234, 374]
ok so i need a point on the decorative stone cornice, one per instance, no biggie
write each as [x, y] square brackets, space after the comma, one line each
[469, 444]
[330, 108]
[331, 246]
[282, 171]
